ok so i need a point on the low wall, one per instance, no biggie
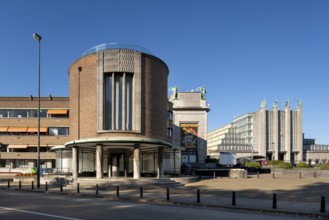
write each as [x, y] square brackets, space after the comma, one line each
[304, 172]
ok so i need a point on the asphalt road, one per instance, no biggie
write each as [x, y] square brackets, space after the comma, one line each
[31, 205]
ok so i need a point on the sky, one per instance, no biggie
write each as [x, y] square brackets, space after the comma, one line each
[242, 51]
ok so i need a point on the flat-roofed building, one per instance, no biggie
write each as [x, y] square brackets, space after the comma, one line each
[273, 134]
[19, 127]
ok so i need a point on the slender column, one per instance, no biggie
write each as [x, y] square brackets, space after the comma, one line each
[160, 163]
[109, 172]
[299, 134]
[287, 133]
[137, 172]
[126, 166]
[275, 131]
[75, 162]
[263, 145]
[99, 161]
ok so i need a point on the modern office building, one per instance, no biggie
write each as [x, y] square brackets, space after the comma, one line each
[272, 134]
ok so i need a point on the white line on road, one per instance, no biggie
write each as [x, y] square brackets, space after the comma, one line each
[38, 213]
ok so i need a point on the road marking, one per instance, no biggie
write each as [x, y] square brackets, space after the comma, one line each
[39, 213]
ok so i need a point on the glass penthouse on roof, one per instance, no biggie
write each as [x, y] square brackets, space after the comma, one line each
[108, 46]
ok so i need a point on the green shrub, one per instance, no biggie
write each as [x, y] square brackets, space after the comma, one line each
[253, 164]
[324, 166]
[285, 165]
[274, 162]
[301, 165]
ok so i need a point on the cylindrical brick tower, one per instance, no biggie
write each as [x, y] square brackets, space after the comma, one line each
[118, 103]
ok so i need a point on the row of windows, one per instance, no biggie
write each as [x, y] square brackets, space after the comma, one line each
[52, 131]
[33, 113]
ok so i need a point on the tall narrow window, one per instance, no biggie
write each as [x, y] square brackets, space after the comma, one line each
[118, 101]
[129, 93]
[108, 102]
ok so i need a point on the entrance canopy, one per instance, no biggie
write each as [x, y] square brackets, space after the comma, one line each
[118, 142]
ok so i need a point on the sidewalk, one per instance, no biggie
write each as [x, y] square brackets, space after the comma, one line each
[294, 195]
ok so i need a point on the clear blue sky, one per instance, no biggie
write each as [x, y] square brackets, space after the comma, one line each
[242, 51]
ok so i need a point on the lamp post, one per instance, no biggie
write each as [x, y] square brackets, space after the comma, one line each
[37, 37]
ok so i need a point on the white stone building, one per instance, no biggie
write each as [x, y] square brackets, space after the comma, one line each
[272, 134]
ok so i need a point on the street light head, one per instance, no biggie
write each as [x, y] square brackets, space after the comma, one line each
[37, 37]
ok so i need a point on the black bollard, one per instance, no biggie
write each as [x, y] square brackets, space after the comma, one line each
[8, 186]
[198, 196]
[118, 190]
[32, 185]
[46, 187]
[141, 192]
[20, 184]
[233, 198]
[314, 174]
[61, 187]
[78, 188]
[323, 204]
[96, 189]
[168, 197]
[257, 174]
[274, 201]
[273, 175]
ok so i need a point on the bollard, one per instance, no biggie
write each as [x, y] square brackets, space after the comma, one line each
[20, 184]
[314, 174]
[323, 204]
[118, 190]
[233, 198]
[300, 175]
[168, 198]
[96, 189]
[78, 188]
[214, 174]
[141, 192]
[32, 185]
[257, 174]
[274, 201]
[273, 175]
[198, 196]
[61, 187]
[8, 186]
[46, 187]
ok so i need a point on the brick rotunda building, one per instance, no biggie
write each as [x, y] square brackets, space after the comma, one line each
[118, 111]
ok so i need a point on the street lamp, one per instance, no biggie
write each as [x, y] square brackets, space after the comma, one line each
[37, 37]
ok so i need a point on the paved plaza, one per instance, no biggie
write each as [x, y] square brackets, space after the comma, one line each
[294, 195]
